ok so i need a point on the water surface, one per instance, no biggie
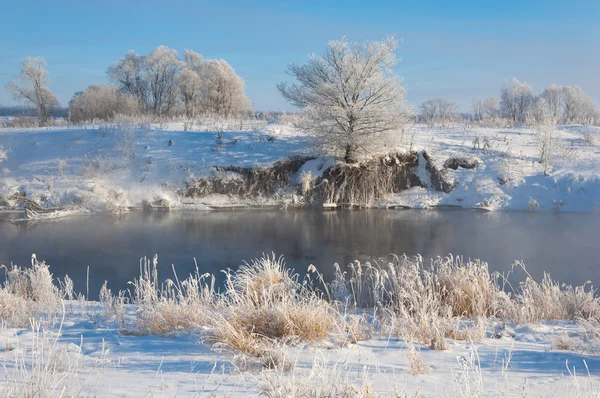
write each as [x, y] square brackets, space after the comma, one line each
[566, 245]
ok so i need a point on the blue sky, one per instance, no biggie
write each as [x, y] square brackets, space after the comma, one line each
[454, 49]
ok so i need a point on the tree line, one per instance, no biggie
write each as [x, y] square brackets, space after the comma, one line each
[158, 84]
[518, 106]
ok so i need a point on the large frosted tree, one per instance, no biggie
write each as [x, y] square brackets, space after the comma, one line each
[222, 90]
[32, 85]
[515, 100]
[350, 94]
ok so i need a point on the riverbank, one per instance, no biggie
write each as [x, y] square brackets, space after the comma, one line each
[114, 168]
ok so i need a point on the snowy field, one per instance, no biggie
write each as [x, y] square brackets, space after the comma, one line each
[524, 361]
[117, 167]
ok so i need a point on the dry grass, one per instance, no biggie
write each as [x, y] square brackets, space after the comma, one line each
[322, 380]
[264, 304]
[417, 365]
[551, 300]
[43, 368]
[173, 307]
[27, 293]
[450, 298]
[564, 342]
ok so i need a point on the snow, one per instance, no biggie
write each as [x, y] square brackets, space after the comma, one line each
[522, 360]
[82, 165]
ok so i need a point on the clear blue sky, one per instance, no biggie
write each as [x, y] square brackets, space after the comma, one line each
[454, 49]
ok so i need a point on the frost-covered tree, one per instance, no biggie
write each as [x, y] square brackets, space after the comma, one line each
[446, 109]
[515, 100]
[543, 120]
[577, 107]
[160, 81]
[491, 108]
[161, 67]
[129, 75]
[151, 78]
[553, 95]
[438, 109]
[478, 109]
[32, 85]
[101, 103]
[350, 95]
[428, 111]
[190, 82]
[222, 90]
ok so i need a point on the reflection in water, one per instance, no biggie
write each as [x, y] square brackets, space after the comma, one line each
[563, 244]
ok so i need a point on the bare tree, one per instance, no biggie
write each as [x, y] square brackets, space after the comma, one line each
[439, 109]
[549, 142]
[429, 111]
[161, 67]
[515, 100]
[32, 85]
[446, 109]
[491, 108]
[350, 94]
[478, 109]
[129, 76]
[151, 78]
[553, 95]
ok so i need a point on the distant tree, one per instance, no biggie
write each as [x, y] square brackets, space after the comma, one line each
[429, 111]
[161, 67]
[151, 78]
[543, 120]
[478, 109]
[446, 109]
[161, 83]
[128, 74]
[553, 95]
[101, 103]
[438, 109]
[350, 95]
[515, 100]
[190, 82]
[32, 85]
[491, 108]
[577, 107]
[222, 90]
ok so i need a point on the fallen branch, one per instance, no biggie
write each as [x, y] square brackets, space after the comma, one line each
[30, 204]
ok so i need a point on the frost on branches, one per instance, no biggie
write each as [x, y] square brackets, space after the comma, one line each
[350, 95]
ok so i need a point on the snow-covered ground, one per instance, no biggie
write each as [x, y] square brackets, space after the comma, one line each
[95, 167]
[94, 358]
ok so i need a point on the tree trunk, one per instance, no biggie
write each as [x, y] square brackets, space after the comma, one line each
[350, 156]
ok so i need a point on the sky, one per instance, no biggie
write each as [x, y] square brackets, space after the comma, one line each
[454, 49]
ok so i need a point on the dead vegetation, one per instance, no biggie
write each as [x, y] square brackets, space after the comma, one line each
[364, 183]
[246, 182]
[27, 293]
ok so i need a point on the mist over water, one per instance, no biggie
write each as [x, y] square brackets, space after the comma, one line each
[562, 244]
